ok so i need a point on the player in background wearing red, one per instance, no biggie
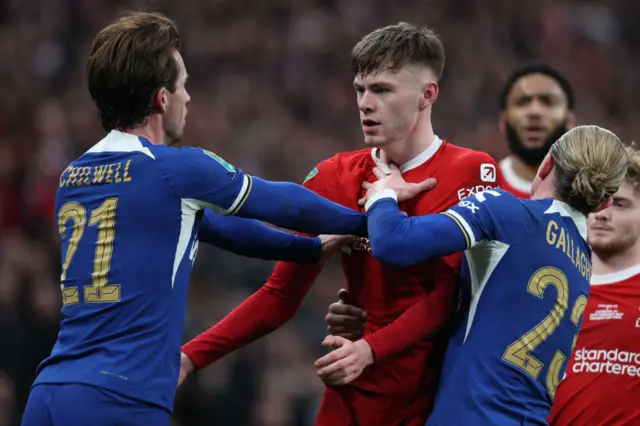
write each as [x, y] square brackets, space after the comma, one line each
[397, 69]
[602, 382]
[535, 110]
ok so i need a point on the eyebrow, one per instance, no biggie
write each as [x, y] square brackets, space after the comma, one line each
[376, 85]
[617, 198]
[543, 94]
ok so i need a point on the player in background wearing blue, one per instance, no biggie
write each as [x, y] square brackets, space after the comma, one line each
[130, 214]
[525, 279]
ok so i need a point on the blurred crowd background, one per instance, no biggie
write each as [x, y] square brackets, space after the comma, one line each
[271, 93]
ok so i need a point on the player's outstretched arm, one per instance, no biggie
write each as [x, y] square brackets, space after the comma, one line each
[295, 207]
[252, 238]
[204, 180]
[402, 241]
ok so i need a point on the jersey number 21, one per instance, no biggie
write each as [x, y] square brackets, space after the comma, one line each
[104, 217]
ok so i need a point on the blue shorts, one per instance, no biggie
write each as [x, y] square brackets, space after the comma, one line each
[70, 404]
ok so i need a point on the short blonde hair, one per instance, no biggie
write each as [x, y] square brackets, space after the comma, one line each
[633, 173]
[590, 165]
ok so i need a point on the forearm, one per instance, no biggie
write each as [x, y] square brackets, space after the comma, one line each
[294, 207]
[264, 311]
[424, 319]
[404, 241]
[251, 238]
[257, 316]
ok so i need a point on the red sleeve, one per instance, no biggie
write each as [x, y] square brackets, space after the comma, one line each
[422, 320]
[431, 313]
[267, 309]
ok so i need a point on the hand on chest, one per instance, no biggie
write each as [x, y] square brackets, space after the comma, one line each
[436, 200]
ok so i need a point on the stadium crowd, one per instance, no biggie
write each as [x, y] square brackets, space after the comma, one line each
[271, 92]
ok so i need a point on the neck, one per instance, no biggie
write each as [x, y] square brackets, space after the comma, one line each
[403, 150]
[152, 131]
[606, 264]
[523, 170]
[543, 192]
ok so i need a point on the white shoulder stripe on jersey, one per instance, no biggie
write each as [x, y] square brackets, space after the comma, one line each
[189, 208]
[117, 141]
[465, 225]
[242, 196]
[565, 210]
[235, 206]
[482, 261]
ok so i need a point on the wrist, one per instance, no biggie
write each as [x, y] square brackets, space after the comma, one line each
[379, 195]
[309, 249]
[365, 350]
[186, 364]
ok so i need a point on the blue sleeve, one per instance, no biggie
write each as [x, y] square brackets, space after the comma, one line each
[295, 207]
[205, 180]
[493, 214]
[403, 241]
[251, 238]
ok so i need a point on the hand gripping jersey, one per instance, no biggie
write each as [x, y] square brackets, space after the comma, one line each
[128, 215]
[602, 382]
[403, 305]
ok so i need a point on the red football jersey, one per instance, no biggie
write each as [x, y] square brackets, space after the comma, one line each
[513, 183]
[385, 293]
[602, 382]
[401, 385]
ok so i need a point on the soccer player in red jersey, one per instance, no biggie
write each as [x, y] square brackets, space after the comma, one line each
[397, 69]
[535, 110]
[602, 382]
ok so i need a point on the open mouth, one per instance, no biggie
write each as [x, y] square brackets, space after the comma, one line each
[368, 124]
[535, 132]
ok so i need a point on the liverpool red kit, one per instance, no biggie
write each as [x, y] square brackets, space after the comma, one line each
[403, 305]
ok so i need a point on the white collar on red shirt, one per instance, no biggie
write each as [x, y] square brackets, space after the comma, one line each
[510, 176]
[418, 161]
[615, 277]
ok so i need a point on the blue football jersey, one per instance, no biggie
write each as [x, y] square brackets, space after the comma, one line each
[524, 287]
[128, 214]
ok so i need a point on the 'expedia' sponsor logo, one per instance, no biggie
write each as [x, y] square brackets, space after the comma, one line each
[613, 361]
[468, 192]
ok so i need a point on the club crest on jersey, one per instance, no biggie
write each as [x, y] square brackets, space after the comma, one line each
[311, 174]
[220, 160]
[487, 172]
